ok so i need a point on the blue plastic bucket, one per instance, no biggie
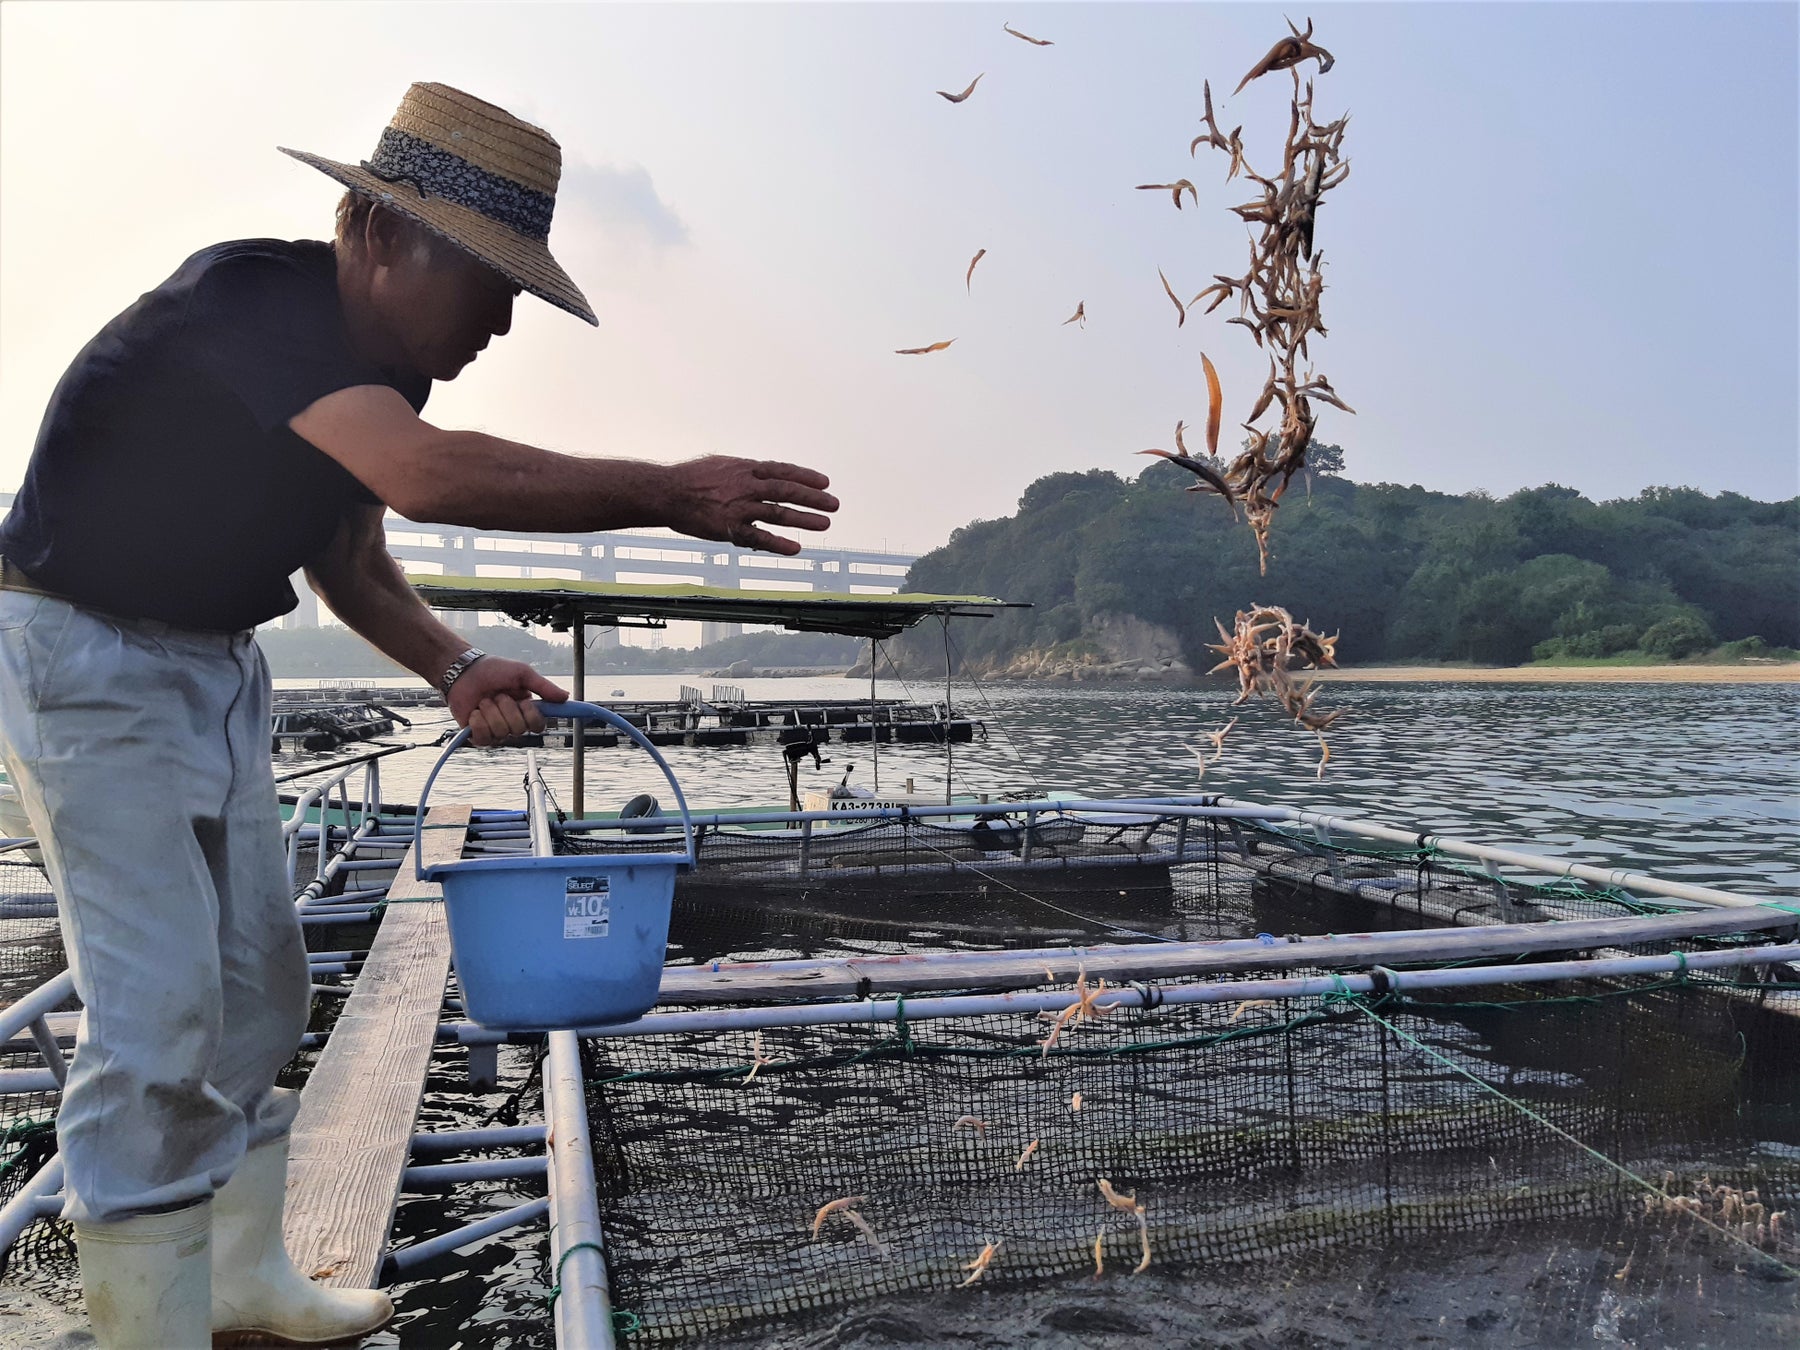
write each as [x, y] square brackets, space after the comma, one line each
[546, 943]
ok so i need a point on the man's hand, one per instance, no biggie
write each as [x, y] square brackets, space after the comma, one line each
[492, 698]
[720, 497]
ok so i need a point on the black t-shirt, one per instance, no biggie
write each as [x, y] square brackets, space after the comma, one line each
[165, 483]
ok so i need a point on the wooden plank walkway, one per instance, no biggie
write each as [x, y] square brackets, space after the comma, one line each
[353, 1136]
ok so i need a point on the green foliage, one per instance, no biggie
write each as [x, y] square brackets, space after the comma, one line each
[1402, 572]
[1677, 636]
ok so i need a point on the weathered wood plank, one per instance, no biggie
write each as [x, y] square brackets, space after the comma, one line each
[353, 1135]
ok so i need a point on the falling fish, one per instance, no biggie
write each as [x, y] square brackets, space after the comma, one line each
[980, 253]
[1179, 186]
[1290, 51]
[1180, 309]
[1215, 404]
[958, 98]
[1036, 42]
[922, 351]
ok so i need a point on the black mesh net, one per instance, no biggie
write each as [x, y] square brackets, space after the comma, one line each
[1249, 1134]
[31, 952]
[1650, 1126]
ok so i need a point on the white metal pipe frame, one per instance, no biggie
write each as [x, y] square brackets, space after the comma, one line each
[1221, 991]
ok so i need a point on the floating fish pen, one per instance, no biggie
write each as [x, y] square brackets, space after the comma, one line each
[326, 726]
[1312, 1040]
[334, 691]
[784, 722]
[934, 1049]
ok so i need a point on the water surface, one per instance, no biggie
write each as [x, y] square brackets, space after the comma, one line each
[1695, 782]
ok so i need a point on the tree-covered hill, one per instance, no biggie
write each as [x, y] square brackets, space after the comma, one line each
[1402, 572]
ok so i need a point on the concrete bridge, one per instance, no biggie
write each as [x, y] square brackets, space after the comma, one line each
[444, 550]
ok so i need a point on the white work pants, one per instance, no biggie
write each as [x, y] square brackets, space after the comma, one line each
[141, 753]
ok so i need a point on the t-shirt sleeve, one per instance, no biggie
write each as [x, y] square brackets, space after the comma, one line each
[270, 331]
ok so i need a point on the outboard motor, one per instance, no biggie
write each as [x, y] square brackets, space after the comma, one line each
[792, 754]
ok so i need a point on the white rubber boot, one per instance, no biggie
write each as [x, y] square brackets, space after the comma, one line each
[147, 1280]
[257, 1294]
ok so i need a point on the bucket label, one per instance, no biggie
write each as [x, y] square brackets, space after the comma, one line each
[587, 907]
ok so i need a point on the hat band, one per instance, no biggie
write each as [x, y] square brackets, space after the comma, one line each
[434, 172]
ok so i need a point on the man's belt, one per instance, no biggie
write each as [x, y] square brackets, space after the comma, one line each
[13, 578]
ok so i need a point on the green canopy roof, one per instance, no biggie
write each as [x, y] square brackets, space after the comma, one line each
[562, 603]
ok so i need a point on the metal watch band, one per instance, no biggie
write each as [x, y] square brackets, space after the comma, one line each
[456, 668]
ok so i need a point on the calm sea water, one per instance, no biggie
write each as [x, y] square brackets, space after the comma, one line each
[1697, 782]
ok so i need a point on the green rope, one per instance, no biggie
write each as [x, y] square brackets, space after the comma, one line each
[556, 1286]
[22, 1133]
[1362, 1006]
[904, 1044]
[380, 907]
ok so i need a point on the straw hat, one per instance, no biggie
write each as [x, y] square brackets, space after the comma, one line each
[477, 176]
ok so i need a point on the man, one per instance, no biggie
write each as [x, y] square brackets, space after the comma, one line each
[256, 413]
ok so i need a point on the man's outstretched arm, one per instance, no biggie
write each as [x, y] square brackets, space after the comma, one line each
[469, 478]
[359, 579]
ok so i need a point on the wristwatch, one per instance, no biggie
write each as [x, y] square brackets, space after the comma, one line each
[455, 670]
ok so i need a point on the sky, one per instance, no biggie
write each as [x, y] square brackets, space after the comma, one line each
[1566, 251]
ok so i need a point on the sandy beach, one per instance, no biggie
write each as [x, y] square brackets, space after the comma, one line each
[1781, 672]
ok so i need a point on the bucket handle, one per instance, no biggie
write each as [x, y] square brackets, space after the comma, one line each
[586, 711]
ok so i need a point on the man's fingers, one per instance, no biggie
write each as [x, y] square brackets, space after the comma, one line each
[793, 473]
[798, 495]
[777, 490]
[803, 487]
[748, 536]
[544, 689]
[504, 716]
[792, 519]
[479, 733]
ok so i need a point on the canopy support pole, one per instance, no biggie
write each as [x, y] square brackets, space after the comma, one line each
[580, 724]
[949, 750]
[874, 731]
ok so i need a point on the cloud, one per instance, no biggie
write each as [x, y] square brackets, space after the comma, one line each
[622, 199]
